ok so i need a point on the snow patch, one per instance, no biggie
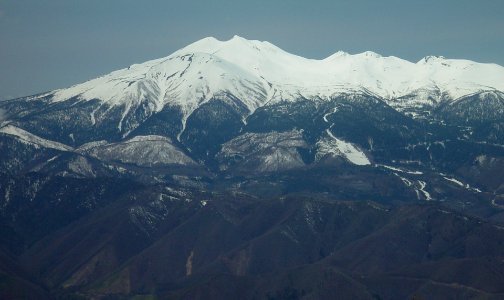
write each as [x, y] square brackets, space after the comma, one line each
[338, 147]
[454, 181]
[406, 181]
[426, 194]
[461, 184]
[400, 170]
[52, 159]
[7, 196]
[330, 113]
[33, 139]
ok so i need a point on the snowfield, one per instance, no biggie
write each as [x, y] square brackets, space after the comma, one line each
[259, 73]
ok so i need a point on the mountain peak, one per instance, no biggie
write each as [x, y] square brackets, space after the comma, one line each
[369, 54]
[431, 58]
[337, 55]
[212, 45]
[243, 67]
[238, 38]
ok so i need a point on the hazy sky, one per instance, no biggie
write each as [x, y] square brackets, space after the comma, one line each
[49, 44]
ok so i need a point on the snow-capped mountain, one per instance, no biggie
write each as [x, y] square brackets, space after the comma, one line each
[258, 73]
[213, 96]
[206, 97]
[262, 72]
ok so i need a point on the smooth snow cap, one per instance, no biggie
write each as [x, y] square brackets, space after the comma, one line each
[258, 72]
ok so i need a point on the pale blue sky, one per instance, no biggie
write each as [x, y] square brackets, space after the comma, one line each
[49, 44]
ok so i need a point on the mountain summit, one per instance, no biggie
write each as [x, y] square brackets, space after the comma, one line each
[270, 68]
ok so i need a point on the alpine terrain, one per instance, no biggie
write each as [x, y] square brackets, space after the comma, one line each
[235, 170]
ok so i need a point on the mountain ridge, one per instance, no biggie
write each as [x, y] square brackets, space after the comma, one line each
[256, 67]
[250, 74]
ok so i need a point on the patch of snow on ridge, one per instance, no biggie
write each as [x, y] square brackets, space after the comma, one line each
[338, 147]
[426, 194]
[406, 181]
[461, 184]
[33, 139]
[400, 170]
[330, 113]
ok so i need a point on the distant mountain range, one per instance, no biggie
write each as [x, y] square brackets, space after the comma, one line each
[235, 168]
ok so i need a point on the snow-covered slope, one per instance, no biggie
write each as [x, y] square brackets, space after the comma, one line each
[333, 146]
[148, 151]
[259, 72]
[27, 137]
